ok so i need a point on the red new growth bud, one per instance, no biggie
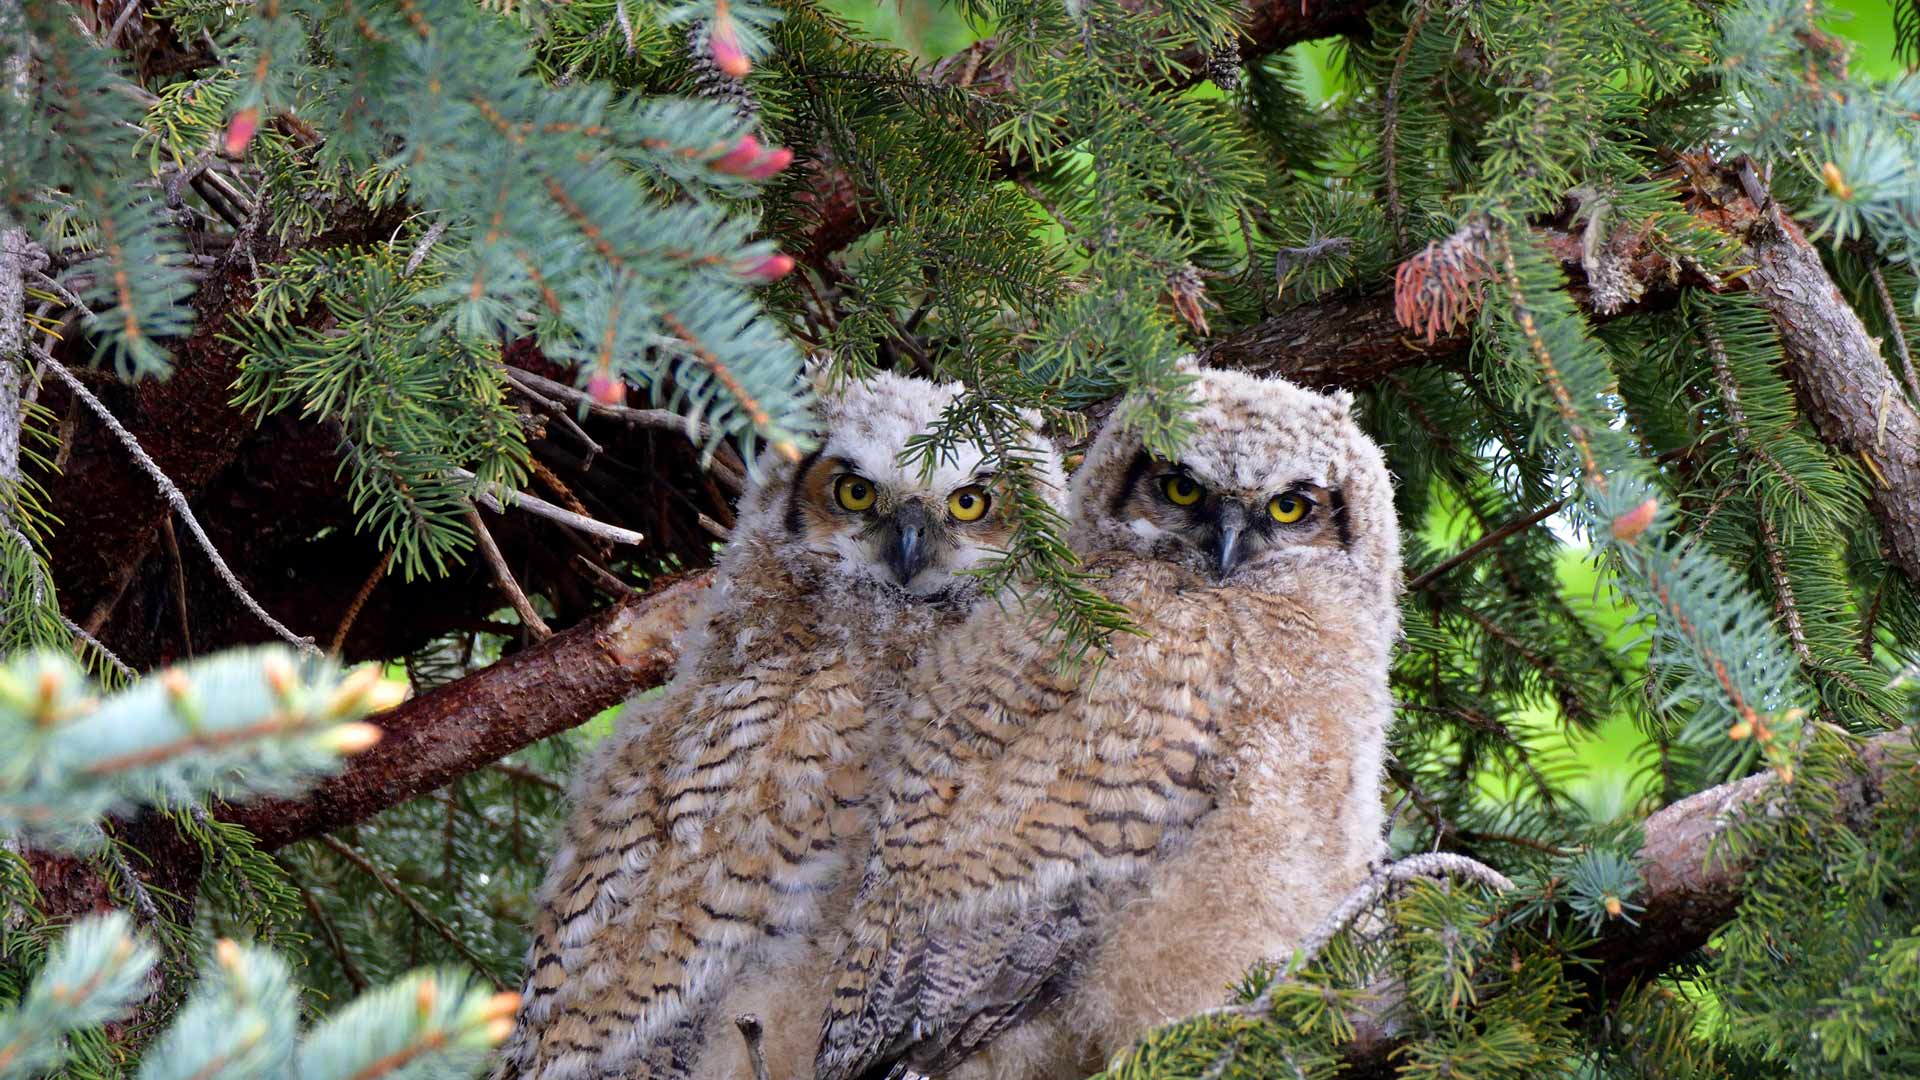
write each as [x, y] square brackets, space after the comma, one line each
[240, 132]
[741, 158]
[607, 390]
[724, 41]
[772, 268]
[1628, 526]
[780, 158]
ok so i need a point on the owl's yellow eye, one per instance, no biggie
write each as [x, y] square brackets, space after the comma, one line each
[1180, 490]
[969, 503]
[1287, 509]
[854, 493]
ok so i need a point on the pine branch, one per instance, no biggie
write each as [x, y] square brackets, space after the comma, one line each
[503, 576]
[1268, 26]
[1691, 889]
[449, 732]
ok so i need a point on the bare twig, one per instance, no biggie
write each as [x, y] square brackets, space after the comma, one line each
[14, 247]
[1898, 333]
[519, 772]
[660, 419]
[329, 931]
[1492, 539]
[126, 16]
[58, 288]
[359, 601]
[1743, 443]
[425, 245]
[606, 579]
[561, 415]
[106, 654]
[179, 581]
[176, 499]
[495, 498]
[142, 899]
[504, 577]
[419, 910]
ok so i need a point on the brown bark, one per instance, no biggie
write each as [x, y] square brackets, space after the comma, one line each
[1689, 895]
[1844, 382]
[449, 732]
[1351, 341]
[1340, 342]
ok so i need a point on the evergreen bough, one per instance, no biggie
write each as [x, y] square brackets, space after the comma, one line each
[380, 208]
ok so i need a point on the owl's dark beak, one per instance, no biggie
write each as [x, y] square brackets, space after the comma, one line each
[905, 541]
[1227, 551]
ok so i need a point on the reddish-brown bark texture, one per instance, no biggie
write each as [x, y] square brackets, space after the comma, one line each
[449, 732]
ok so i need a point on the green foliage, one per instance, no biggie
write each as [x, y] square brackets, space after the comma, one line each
[1701, 588]
[237, 725]
[412, 404]
[1821, 973]
[64, 174]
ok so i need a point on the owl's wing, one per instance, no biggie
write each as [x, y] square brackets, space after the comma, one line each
[937, 996]
[1015, 803]
[699, 835]
[605, 852]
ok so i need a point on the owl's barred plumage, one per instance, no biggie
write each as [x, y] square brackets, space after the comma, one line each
[712, 827]
[1061, 864]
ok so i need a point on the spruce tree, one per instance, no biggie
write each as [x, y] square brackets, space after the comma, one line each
[441, 334]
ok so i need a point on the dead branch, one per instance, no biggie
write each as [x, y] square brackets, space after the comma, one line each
[503, 576]
[497, 498]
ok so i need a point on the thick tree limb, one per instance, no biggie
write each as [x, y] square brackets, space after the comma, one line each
[1352, 341]
[465, 725]
[1843, 379]
[1331, 343]
[1688, 896]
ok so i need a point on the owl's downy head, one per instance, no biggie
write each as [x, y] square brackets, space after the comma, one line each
[852, 509]
[1273, 477]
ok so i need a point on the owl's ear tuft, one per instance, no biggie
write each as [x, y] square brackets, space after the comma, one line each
[1188, 364]
[1342, 400]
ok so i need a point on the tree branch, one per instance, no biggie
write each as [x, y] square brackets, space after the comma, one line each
[1692, 889]
[452, 731]
[1844, 381]
[176, 499]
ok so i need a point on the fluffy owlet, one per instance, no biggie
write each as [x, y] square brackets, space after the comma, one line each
[1062, 864]
[710, 828]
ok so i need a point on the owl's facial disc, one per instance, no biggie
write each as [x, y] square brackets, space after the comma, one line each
[1221, 531]
[889, 526]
